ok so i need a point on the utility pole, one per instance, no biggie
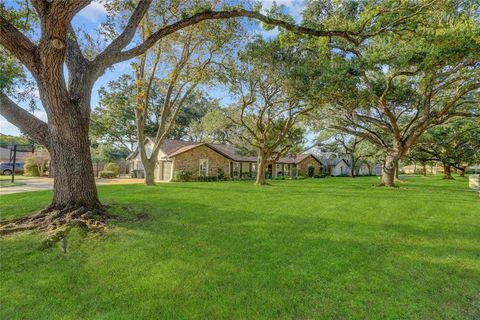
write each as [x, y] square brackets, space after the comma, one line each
[14, 162]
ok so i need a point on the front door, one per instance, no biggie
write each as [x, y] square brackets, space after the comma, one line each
[270, 171]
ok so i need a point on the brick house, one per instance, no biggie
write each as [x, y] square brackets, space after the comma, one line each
[209, 159]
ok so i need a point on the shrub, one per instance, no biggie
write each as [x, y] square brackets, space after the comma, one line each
[30, 168]
[112, 167]
[280, 178]
[107, 174]
[320, 175]
[220, 174]
[35, 166]
[207, 179]
[298, 178]
[183, 176]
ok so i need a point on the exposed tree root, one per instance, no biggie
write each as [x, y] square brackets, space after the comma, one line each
[57, 222]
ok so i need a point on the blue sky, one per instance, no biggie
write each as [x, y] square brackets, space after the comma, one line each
[90, 19]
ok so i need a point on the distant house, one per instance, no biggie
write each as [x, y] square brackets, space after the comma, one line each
[209, 159]
[339, 165]
[474, 169]
[336, 166]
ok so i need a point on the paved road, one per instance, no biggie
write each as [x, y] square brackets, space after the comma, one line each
[38, 184]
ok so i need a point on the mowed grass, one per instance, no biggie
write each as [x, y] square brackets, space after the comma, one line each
[335, 248]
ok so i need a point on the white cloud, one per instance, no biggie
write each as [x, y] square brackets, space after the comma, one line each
[94, 11]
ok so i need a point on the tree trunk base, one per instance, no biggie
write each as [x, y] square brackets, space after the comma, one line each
[57, 222]
[387, 185]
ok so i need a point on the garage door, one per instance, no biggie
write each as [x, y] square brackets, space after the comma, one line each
[167, 170]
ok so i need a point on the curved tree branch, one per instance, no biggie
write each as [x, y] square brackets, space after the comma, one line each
[28, 123]
[126, 36]
[19, 45]
[216, 15]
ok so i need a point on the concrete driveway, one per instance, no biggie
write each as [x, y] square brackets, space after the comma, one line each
[37, 184]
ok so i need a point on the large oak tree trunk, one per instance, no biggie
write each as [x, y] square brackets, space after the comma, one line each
[71, 165]
[447, 171]
[389, 170]
[461, 172]
[261, 168]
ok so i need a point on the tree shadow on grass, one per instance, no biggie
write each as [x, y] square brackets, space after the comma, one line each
[207, 261]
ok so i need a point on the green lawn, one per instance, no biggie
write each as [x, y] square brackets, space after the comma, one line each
[17, 177]
[335, 248]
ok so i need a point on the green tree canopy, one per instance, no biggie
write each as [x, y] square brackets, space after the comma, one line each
[390, 89]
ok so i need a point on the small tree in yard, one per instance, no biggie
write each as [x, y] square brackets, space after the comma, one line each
[174, 68]
[113, 121]
[265, 113]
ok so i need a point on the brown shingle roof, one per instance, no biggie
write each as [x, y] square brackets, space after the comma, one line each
[231, 152]
[174, 147]
[185, 148]
[170, 146]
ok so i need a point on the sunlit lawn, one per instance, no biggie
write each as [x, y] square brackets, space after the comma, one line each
[335, 248]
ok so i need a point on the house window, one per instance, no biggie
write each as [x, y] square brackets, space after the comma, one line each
[203, 172]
